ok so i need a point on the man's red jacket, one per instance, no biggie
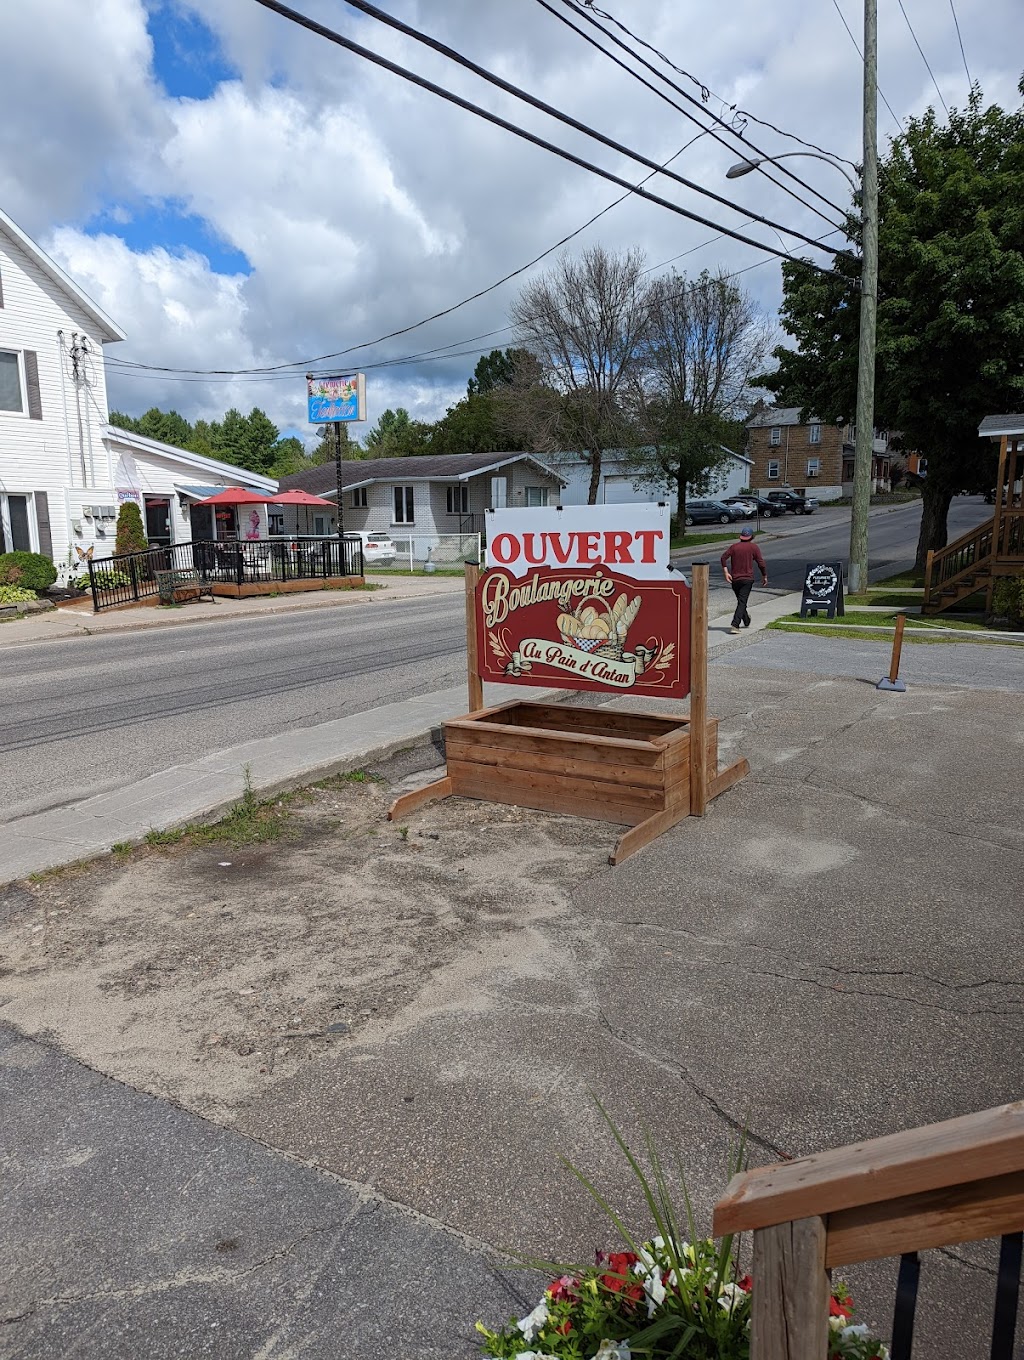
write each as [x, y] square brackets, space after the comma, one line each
[742, 557]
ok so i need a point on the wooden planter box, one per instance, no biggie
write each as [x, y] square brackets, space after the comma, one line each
[615, 767]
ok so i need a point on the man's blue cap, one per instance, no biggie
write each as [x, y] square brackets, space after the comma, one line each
[746, 533]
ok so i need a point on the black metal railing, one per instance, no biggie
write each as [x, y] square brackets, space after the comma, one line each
[1004, 1323]
[130, 577]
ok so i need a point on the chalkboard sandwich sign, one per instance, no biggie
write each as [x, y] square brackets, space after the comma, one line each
[823, 589]
[585, 598]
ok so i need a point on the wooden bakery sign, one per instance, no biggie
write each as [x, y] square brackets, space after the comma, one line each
[584, 597]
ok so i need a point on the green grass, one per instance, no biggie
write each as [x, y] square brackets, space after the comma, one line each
[912, 579]
[723, 535]
[252, 821]
[862, 618]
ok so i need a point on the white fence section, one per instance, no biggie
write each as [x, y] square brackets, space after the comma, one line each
[425, 553]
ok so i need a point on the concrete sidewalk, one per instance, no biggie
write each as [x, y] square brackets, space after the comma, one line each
[80, 620]
[209, 784]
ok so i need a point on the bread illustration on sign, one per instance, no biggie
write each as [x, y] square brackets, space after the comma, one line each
[602, 631]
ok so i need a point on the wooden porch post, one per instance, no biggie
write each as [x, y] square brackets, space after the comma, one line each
[790, 1298]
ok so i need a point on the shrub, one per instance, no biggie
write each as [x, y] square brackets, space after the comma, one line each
[15, 595]
[1008, 599]
[29, 570]
[131, 536]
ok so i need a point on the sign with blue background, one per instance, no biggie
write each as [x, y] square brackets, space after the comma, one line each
[336, 398]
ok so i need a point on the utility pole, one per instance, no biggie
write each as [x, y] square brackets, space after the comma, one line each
[865, 418]
[337, 473]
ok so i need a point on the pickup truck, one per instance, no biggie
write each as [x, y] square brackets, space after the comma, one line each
[790, 500]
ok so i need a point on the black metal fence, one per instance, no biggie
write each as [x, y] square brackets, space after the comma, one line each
[130, 577]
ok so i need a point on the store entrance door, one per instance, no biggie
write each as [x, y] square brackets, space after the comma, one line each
[158, 521]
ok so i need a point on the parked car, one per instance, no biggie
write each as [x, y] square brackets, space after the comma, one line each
[794, 502]
[748, 504]
[378, 550]
[711, 512]
[765, 508]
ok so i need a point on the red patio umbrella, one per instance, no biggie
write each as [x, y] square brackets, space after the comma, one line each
[305, 498]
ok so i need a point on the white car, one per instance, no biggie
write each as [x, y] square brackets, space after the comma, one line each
[378, 550]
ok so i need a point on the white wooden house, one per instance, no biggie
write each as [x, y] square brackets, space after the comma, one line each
[64, 469]
[620, 484]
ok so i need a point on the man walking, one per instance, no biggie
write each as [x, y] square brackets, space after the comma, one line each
[738, 564]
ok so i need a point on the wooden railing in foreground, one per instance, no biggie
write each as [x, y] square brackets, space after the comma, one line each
[959, 1181]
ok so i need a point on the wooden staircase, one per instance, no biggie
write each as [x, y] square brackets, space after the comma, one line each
[959, 569]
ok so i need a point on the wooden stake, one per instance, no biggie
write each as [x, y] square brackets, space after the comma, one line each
[476, 685]
[699, 691]
[897, 648]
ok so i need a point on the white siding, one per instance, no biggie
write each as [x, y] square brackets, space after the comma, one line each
[65, 449]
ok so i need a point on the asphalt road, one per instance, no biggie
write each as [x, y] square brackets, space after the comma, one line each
[892, 539]
[92, 714]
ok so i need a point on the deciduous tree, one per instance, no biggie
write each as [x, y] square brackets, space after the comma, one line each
[950, 301]
[584, 322]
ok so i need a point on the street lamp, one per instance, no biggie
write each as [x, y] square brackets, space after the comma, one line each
[864, 434]
[745, 167]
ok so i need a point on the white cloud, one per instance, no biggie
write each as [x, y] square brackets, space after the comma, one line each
[363, 204]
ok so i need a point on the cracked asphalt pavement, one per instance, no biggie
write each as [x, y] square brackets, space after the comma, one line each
[833, 953]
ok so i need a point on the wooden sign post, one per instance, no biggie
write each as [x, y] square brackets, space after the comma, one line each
[588, 625]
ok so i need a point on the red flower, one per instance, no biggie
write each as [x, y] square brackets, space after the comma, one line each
[746, 1284]
[617, 1280]
[837, 1309]
[564, 1288]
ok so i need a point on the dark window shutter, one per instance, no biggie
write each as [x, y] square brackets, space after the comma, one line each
[43, 524]
[1, 290]
[35, 406]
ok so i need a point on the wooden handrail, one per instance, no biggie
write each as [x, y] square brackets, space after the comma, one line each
[958, 1181]
[973, 1146]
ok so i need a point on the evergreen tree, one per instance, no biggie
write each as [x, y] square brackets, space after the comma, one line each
[131, 536]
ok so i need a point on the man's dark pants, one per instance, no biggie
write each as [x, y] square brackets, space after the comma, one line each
[741, 589]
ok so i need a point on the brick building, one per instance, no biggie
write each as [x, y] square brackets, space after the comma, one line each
[808, 456]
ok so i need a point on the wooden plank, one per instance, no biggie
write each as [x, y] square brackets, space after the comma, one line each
[699, 690]
[475, 782]
[543, 736]
[409, 802]
[937, 1218]
[732, 774]
[604, 771]
[644, 832]
[570, 786]
[474, 683]
[970, 1148]
[610, 721]
[790, 1300]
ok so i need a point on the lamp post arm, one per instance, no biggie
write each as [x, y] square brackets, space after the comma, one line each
[818, 156]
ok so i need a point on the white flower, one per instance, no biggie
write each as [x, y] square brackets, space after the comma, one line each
[535, 1355]
[727, 1299]
[533, 1322]
[854, 1330]
[613, 1350]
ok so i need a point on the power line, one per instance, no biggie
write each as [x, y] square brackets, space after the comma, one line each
[731, 131]
[391, 335]
[705, 89]
[860, 54]
[923, 57]
[956, 24]
[435, 45]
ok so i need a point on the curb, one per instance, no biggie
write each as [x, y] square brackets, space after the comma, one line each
[234, 616]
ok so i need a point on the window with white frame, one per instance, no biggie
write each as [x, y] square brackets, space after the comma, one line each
[17, 523]
[458, 499]
[536, 497]
[814, 436]
[776, 435]
[359, 501]
[275, 523]
[404, 505]
[813, 467]
[12, 388]
[773, 469]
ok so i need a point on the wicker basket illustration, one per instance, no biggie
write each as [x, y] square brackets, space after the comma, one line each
[610, 646]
